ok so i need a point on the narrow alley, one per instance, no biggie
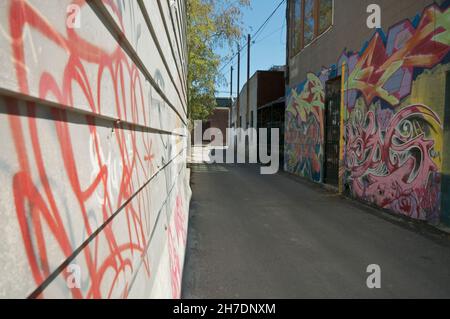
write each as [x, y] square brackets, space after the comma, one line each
[333, 117]
[276, 236]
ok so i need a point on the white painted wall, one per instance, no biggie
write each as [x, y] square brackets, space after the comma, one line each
[93, 162]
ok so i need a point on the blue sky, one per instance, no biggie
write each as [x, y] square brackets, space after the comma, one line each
[269, 48]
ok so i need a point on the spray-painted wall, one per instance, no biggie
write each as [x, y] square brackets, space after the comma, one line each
[394, 152]
[92, 163]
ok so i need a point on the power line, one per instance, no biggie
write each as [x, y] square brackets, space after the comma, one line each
[254, 35]
[272, 33]
[269, 35]
[281, 34]
[261, 28]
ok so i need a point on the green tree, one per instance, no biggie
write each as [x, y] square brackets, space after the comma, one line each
[211, 24]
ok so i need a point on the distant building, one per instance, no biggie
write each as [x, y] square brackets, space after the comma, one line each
[264, 108]
[220, 119]
[280, 68]
[263, 87]
[224, 102]
[272, 116]
[368, 110]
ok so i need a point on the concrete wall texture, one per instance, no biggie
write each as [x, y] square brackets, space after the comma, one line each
[394, 145]
[93, 163]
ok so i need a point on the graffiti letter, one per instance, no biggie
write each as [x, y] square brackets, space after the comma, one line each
[73, 17]
[374, 19]
[374, 280]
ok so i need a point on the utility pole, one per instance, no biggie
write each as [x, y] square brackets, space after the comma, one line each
[231, 84]
[238, 106]
[248, 80]
[231, 97]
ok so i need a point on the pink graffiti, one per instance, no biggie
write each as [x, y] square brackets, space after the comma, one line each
[175, 241]
[392, 165]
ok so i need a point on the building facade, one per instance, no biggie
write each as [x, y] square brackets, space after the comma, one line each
[272, 116]
[368, 110]
[95, 191]
[219, 119]
[263, 87]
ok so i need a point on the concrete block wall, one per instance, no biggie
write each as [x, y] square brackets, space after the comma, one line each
[394, 111]
[93, 137]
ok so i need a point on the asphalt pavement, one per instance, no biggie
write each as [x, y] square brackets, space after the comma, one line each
[278, 236]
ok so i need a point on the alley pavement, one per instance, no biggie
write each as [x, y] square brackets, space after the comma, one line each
[278, 236]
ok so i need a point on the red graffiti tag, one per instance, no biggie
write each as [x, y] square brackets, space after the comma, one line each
[37, 207]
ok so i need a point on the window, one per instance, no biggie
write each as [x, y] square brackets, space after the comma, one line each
[308, 20]
[325, 15]
[296, 18]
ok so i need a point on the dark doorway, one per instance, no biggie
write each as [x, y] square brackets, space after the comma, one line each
[332, 131]
[272, 116]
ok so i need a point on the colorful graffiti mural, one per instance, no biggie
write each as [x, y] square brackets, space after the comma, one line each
[304, 129]
[390, 159]
[393, 141]
[86, 168]
[385, 68]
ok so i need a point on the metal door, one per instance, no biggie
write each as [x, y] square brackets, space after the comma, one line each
[332, 131]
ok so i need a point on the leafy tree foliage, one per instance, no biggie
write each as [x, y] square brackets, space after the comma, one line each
[211, 24]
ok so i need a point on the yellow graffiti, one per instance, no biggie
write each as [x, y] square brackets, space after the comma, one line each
[370, 74]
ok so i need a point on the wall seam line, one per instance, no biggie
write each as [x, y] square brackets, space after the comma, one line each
[117, 34]
[41, 288]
